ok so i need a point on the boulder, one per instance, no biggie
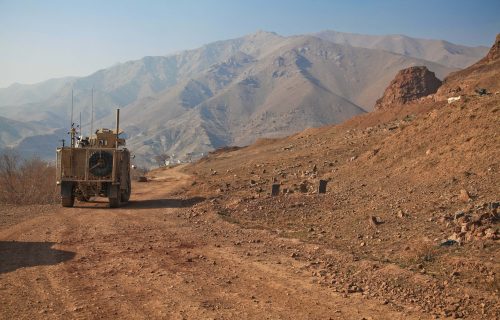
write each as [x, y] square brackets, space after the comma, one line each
[409, 84]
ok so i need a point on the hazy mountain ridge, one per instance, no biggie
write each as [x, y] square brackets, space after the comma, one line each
[440, 51]
[17, 94]
[226, 92]
[12, 131]
[287, 90]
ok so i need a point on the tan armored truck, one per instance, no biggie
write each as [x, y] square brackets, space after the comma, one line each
[95, 166]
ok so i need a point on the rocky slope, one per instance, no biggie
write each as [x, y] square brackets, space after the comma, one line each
[227, 92]
[305, 82]
[482, 75]
[409, 84]
[410, 216]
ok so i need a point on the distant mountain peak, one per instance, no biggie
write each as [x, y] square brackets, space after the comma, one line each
[440, 51]
[261, 32]
[225, 92]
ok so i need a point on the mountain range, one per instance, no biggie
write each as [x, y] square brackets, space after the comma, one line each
[228, 92]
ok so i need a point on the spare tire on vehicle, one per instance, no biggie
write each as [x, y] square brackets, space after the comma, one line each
[101, 163]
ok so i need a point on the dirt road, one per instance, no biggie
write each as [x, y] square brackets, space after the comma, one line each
[156, 259]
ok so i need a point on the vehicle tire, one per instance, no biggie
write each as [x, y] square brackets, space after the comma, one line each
[68, 202]
[114, 202]
[125, 196]
[67, 195]
[114, 196]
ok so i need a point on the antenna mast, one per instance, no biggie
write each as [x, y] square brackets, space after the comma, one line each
[72, 129]
[92, 115]
[117, 126]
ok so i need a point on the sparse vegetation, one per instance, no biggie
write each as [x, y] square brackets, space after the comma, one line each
[137, 172]
[26, 181]
[422, 253]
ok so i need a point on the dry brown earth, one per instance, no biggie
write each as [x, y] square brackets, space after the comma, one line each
[162, 257]
[401, 182]
[408, 227]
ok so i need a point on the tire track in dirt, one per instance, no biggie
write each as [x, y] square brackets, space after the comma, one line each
[146, 260]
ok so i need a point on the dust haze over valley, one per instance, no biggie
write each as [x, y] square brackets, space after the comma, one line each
[229, 92]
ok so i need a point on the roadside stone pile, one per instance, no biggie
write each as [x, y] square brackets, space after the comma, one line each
[475, 223]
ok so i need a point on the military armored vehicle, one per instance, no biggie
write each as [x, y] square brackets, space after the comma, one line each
[94, 166]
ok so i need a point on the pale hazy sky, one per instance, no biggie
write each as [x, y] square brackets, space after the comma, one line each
[42, 39]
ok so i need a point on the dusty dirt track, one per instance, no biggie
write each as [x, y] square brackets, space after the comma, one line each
[147, 260]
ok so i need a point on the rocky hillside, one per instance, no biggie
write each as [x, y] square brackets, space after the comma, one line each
[13, 132]
[410, 216]
[227, 92]
[304, 83]
[482, 75]
[409, 84]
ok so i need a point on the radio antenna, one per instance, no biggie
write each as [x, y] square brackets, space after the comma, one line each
[117, 126]
[71, 120]
[92, 115]
[72, 129]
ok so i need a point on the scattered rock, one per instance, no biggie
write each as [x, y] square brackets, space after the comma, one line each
[303, 187]
[458, 215]
[352, 288]
[458, 237]
[464, 196]
[375, 221]
[447, 243]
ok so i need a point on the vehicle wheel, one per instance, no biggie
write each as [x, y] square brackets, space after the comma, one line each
[68, 201]
[114, 202]
[67, 195]
[126, 193]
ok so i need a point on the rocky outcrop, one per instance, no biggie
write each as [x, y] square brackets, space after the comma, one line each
[494, 53]
[482, 76]
[409, 84]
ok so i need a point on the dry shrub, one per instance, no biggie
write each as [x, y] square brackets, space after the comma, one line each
[422, 252]
[26, 181]
[138, 172]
